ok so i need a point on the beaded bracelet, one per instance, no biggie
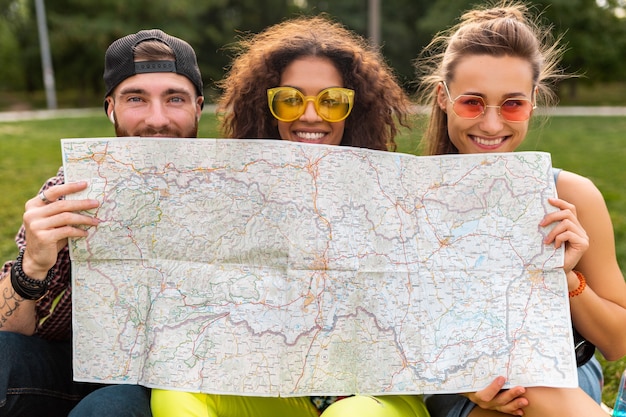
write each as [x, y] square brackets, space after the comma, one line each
[26, 287]
[581, 286]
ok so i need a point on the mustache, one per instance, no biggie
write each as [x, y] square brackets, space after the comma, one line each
[157, 132]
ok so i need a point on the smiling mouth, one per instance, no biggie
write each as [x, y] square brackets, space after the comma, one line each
[310, 136]
[488, 142]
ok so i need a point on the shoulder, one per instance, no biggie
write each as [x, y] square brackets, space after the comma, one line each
[578, 190]
[567, 179]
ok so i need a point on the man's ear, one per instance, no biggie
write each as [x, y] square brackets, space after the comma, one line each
[109, 109]
[199, 104]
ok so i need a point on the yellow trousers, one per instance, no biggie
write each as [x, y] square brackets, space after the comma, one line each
[166, 403]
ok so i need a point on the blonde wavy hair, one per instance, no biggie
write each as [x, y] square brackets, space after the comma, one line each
[504, 29]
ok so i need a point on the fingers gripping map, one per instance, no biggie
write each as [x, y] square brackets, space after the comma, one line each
[262, 267]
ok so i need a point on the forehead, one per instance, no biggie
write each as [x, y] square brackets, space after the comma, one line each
[490, 75]
[156, 83]
[311, 74]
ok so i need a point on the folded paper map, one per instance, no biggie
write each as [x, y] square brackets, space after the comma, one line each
[261, 267]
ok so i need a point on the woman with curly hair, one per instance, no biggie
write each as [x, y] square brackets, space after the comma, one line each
[305, 80]
[482, 80]
[380, 105]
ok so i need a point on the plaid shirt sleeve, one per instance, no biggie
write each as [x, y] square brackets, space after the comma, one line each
[54, 311]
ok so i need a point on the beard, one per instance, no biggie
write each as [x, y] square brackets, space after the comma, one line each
[169, 131]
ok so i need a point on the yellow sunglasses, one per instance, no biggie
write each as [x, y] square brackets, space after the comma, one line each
[332, 104]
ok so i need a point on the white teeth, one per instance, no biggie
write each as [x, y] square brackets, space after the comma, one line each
[488, 142]
[310, 135]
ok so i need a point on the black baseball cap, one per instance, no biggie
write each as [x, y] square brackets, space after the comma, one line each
[119, 60]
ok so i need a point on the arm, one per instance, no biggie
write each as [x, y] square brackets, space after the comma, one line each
[568, 230]
[599, 313]
[16, 314]
[46, 230]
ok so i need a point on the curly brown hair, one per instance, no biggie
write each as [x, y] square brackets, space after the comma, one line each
[380, 104]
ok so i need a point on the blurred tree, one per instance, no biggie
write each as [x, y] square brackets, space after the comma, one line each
[10, 75]
[80, 30]
[404, 36]
[401, 36]
[595, 37]
[19, 46]
[594, 34]
[227, 20]
[80, 37]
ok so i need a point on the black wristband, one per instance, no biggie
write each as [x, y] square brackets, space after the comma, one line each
[25, 286]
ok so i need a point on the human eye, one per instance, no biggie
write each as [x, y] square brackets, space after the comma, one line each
[332, 99]
[177, 99]
[471, 101]
[292, 100]
[514, 104]
[132, 96]
[330, 102]
[290, 97]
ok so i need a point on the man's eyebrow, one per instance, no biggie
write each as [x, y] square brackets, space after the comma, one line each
[126, 91]
[171, 91]
[168, 92]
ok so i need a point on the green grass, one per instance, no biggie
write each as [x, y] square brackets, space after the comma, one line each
[30, 153]
[591, 146]
[580, 92]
